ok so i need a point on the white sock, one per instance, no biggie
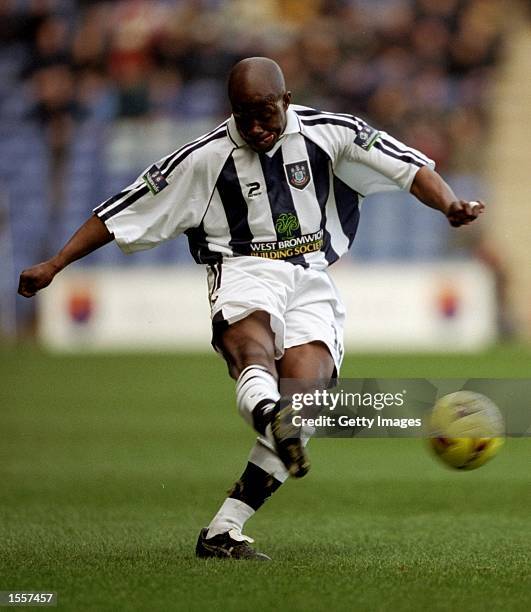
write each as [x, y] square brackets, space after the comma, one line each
[263, 455]
[230, 517]
[255, 384]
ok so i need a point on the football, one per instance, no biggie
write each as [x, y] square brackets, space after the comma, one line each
[466, 429]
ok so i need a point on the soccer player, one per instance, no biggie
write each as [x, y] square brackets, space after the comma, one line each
[264, 206]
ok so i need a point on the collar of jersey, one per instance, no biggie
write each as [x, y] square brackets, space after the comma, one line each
[293, 126]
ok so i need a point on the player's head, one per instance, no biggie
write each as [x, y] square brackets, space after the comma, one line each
[259, 101]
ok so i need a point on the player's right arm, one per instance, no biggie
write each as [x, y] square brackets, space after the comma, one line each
[168, 198]
[92, 235]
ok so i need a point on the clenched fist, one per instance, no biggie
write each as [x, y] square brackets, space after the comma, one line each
[37, 277]
[462, 213]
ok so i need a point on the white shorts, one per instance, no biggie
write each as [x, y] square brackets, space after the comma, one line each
[304, 304]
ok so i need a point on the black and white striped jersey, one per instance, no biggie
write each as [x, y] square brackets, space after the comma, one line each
[291, 203]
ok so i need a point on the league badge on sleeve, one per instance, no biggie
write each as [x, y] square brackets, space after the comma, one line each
[155, 180]
[366, 136]
[298, 174]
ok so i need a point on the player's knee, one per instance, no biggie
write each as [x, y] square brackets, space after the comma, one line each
[243, 354]
[255, 354]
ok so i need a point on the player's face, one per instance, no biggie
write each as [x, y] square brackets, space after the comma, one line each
[261, 121]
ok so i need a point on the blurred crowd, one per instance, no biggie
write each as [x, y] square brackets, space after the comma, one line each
[417, 68]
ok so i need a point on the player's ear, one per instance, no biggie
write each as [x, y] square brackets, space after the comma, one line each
[286, 99]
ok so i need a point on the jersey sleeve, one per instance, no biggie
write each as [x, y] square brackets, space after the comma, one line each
[160, 204]
[379, 161]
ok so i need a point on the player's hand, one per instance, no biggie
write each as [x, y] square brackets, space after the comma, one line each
[37, 277]
[462, 213]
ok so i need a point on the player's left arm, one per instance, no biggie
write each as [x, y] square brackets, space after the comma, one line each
[431, 189]
[394, 165]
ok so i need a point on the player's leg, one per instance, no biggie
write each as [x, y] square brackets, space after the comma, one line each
[313, 349]
[248, 347]
[264, 472]
[262, 476]
[304, 368]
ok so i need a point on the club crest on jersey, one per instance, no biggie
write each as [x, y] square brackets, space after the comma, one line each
[298, 174]
[155, 180]
[366, 136]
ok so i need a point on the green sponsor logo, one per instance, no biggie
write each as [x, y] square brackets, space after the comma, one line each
[286, 224]
[149, 182]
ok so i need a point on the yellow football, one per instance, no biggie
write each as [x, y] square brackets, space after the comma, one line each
[466, 429]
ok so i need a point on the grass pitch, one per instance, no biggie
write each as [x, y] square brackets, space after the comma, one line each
[110, 465]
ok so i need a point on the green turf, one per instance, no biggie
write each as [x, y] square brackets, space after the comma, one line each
[109, 466]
